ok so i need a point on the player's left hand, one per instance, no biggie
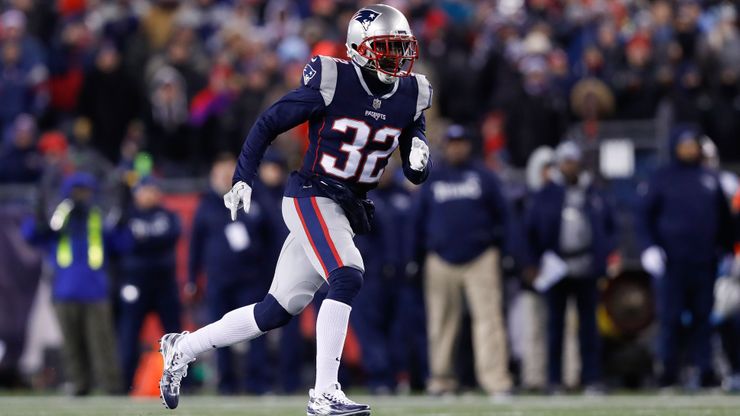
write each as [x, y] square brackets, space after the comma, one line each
[419, 154]
[240, 195]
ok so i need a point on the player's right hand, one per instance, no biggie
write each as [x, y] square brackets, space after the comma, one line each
[240, 195]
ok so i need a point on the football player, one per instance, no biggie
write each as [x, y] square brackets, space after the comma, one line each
[358, 111]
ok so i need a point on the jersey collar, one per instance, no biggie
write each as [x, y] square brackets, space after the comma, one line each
[367, 89]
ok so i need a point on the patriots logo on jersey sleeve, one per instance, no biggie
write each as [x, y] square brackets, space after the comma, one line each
[365, 17]
[308, 73]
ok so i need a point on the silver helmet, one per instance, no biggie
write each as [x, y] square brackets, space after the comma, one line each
[379, 38]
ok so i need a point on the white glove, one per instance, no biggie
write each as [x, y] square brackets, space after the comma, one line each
[653, 261]
[419, 154]
[240, 195]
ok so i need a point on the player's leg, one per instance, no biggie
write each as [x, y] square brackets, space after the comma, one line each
[293, 286]
[326, 237]
[292, 289]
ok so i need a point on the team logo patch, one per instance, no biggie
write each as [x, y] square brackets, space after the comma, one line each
[365, 17]
[377, 103]
[308, 73]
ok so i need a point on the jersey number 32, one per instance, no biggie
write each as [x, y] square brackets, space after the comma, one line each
[357, 158]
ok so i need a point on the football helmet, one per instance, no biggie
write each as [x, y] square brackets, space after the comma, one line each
[379, 38]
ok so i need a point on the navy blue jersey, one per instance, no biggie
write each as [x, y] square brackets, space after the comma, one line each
[352, 132]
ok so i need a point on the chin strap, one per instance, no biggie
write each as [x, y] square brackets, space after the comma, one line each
[369, 69]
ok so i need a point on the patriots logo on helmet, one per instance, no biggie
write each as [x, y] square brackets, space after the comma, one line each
[308, 73]
[365, 17]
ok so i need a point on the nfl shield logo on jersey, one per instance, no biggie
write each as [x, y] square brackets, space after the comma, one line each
[365, 17]
[376, 104]
[308, 73]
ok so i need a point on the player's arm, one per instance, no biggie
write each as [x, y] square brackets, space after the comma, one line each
[291, 110]
[413, 140]
[294, 108]
[415, 151]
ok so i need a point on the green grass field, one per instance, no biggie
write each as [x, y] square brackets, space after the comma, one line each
[700, 405]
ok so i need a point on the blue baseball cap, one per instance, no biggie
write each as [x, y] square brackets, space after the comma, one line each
[456, 132]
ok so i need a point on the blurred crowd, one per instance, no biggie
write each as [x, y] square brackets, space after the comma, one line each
[184, 80]
[504, 252]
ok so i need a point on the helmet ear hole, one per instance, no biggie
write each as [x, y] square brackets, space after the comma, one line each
[354, 46]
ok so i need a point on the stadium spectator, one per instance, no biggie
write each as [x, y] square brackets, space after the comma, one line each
[159, 22]
[32, 54]
[109, 99]
[635, 83]
[19, 90]
[209, 107]
[719, 48]
[54, 150]
[682, 253]
[19, 160]
[233, 256]
[118, 21]
[167, 130]
[570, 223]
[183, 53]
[535, 116]
[84, 157]
[68, 54]
[459, 221]
[146, 245]
[719, 52]
[77, 243]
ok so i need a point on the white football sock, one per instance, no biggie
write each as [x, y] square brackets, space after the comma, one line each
[331, 330]
[236, 326]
